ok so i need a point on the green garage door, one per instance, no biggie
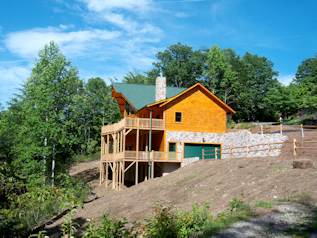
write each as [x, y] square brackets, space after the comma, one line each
[195, 150]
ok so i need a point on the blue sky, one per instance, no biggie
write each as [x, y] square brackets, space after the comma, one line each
[108, 38]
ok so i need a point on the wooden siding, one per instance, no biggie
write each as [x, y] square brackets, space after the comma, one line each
[200, 113]
[158, 141]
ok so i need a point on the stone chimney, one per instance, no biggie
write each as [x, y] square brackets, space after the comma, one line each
[160, 88]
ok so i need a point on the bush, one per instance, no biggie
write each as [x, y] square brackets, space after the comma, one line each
[246, 126]
[35, 207]
[76, 186]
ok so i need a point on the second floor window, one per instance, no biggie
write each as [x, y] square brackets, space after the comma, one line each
[178, 117]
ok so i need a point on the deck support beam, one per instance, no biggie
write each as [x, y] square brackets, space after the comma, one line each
[136, 172]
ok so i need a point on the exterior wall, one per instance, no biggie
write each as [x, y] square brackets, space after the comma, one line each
[199, 114]
[158, 141]
[131, 141]
[236, 139]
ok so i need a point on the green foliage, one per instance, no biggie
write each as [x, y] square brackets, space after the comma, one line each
[76, 186]
[68, 226]
[232, 125]
[35, 207]
[109, 228]
[168, 222]
[264, 204]
[135, 76]
[246, 126]
[180, 65]
[221, 79]
[40, 234]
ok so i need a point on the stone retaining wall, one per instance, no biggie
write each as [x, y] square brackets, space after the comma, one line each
[234, 139]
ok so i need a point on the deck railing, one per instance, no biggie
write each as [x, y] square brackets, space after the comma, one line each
[134, 123]
[144, 156]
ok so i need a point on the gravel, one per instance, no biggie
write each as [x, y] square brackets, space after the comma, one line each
[272, 225]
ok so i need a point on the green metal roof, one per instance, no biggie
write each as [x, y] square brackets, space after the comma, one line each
[140, 95]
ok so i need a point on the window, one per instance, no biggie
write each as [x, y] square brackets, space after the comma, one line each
[172, 147]
[158, 116]
[128, 109]
[178, 117]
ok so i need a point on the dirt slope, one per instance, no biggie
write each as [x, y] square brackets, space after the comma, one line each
[213, 181]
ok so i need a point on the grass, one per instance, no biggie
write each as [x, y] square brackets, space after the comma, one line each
[264, 204]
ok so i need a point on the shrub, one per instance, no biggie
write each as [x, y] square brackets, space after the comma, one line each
[78, 187]
[35, 207]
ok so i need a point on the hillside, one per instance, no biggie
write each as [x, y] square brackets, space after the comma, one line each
[213, 181]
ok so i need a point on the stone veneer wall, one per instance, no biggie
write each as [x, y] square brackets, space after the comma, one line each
[160, 89]
[235, 139]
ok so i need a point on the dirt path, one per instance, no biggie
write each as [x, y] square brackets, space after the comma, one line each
[213, 181]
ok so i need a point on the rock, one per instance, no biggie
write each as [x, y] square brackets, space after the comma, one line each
[302, 164]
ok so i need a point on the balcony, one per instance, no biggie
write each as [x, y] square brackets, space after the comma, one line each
[134, 123]
[157, 156]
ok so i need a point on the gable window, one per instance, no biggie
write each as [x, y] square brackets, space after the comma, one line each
[178, 117]
[128, 109]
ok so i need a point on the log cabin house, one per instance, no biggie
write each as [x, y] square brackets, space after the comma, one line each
[160, 127]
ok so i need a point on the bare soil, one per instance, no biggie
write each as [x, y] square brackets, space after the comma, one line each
[212, 181]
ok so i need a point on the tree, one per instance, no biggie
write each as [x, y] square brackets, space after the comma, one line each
[220, 78]
[306, 80]
[135, 76]
[256, 75]
[47, 132]
[181, 66]
[95, 108]
[282, 99]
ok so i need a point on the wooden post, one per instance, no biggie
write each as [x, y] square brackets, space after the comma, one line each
[203, 154]
[100, 173]
[137, 143]
[107, 145]
[152, 164]
[120, 175]
[146, 171]
[248, 155]
[281, 128]
[123, 168]
[294, 146]
[301, 132]
[121, 143]
[261, 129]
[136, 172]
[269, 151]
[216, 157]
[114, 175]
[107, 173]
[230, 152]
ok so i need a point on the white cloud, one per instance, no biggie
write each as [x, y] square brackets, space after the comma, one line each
[11, 77]
[286, 79]
[181, 14]
[110, 5]
[27, 43]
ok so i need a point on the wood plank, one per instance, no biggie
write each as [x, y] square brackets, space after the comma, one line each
[136, 172]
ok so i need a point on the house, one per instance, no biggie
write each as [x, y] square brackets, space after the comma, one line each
[160, 127]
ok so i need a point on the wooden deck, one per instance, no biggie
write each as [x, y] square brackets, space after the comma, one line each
[134, 123]
[156, 156]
